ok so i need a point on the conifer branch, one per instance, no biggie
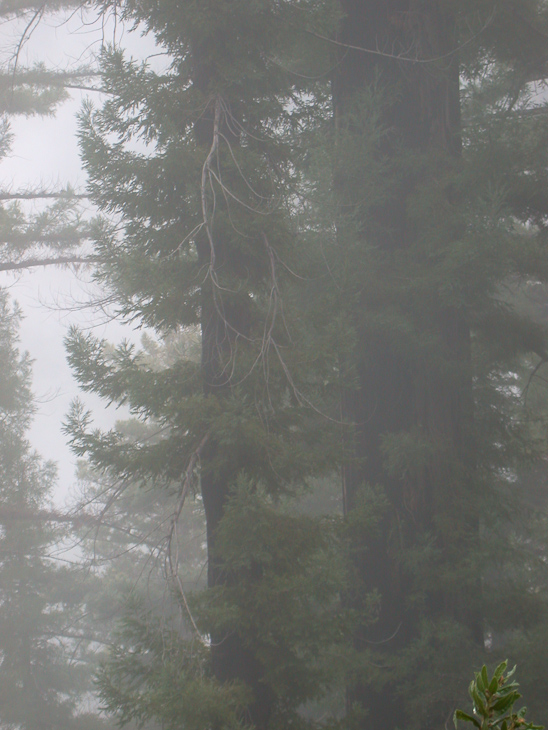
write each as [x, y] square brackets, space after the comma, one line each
[56, 261]
[82, 87]
[78, 637]
[42, 195]
[76, 519]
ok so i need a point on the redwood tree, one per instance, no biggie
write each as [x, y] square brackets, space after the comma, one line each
[434, 245]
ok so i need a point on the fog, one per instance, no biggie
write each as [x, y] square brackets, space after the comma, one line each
[274, 420]
[44, 155]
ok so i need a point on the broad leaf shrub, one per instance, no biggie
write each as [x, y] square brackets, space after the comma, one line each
[493, 699]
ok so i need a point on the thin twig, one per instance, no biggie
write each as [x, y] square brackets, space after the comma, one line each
[173, 564]
[403, 56]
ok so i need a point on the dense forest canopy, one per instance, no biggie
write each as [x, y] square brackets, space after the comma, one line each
[328, 507]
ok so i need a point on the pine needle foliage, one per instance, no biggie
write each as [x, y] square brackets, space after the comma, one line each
[44, 672]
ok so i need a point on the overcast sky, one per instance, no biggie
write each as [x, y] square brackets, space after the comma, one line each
[45, 154]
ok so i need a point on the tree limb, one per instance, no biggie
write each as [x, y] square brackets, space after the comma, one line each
[41, 195]
[57, 261]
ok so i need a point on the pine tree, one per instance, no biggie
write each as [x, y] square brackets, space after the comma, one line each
[45, 675]
[51, 233]
[40, 685]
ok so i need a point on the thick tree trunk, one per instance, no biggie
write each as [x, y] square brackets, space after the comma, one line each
[224, 319]
[231, 659]
[400, 392]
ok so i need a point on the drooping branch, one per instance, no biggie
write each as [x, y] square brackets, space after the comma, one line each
[405, 56]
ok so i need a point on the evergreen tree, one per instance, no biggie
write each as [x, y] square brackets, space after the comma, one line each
[423, 193]
[42, 677]
[433, 109]
[206, 213]
[38, 225]
[51, 232]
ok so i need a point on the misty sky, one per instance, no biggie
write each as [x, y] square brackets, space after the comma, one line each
[45, 155]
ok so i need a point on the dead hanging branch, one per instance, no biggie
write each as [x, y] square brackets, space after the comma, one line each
[211, 181]
[533, 374]
[206, 175]
[407, 55]
[26, 34]
[172, 561]
[210, 177]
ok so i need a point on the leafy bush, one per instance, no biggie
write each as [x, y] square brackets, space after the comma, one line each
[493, 700]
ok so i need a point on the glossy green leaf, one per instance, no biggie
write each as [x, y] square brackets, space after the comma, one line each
[484, 678]
[478, 701]
[493, 685]
[460, 715]
[499, 671]
[505, 703]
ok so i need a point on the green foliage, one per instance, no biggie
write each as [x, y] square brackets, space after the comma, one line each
[494, 699]
[283, 595]
[361, 257]
[154, 674]
[285, 576]
[44, 671]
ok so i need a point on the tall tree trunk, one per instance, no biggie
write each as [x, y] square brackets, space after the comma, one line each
[410, 48]
[224, 319]
[231, 659]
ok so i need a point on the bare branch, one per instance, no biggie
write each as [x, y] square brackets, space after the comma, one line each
[28, 31]
[206, 169]
[173, 563]
[403, 56]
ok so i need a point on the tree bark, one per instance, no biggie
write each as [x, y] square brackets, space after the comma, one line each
[224, 320]
[411, 48]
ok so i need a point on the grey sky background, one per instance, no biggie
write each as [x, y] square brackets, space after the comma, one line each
[45, 154]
